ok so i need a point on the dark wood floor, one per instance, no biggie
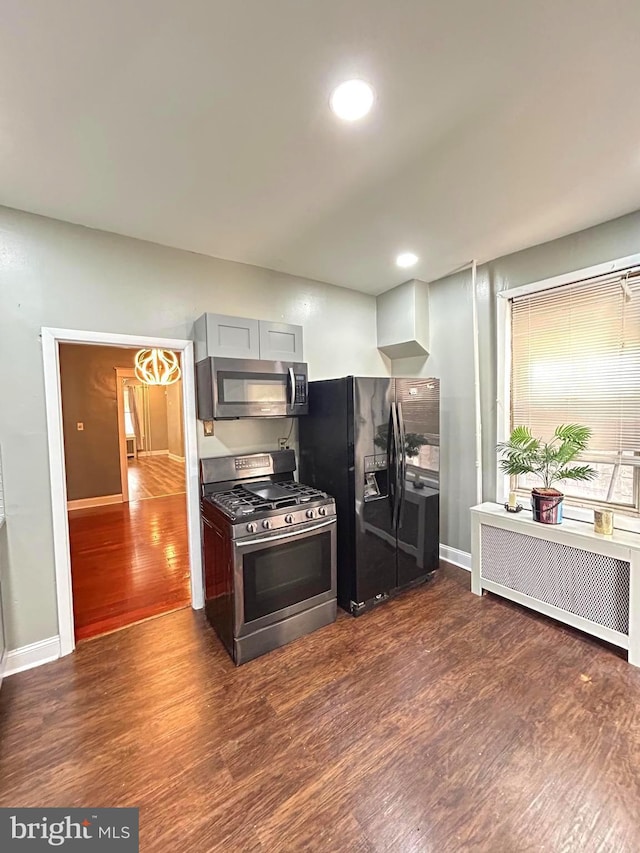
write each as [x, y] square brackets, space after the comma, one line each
[440, 722]
[128, 562]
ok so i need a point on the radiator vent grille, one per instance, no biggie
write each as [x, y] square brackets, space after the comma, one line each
[589, 585]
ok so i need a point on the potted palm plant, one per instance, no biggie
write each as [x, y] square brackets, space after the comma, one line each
[524, 454]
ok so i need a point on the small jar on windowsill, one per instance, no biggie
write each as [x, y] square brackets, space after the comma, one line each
[603, 522]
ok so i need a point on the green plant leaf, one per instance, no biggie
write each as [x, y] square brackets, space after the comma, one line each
[578, 472]
[575, 434]
[524, 454]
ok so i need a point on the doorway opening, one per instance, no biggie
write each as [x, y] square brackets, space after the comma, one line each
[126, 541]
[127, 525]
[151, 440]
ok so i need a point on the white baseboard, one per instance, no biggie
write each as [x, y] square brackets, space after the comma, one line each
[176, 458]
[87, 503]
[35, 654]
[153, 453]
[455, 556]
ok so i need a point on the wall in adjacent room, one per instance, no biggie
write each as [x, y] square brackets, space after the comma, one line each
[88, 387]
[66, 276]
[158, 438]
[174, 419]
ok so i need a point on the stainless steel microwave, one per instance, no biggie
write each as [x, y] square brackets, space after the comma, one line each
[247, 388]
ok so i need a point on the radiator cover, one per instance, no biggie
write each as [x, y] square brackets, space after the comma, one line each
[590, 585]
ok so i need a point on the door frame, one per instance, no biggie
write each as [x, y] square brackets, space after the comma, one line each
[122, 373]
[51, 340]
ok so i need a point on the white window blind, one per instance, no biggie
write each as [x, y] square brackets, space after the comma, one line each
[576, 359]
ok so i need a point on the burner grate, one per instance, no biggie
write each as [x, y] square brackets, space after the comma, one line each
[239, 501]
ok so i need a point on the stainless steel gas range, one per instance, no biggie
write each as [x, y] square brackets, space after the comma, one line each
[269, 549]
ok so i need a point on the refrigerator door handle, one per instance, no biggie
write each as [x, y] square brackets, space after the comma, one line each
[396, 467]
[403, 465]
[391, 491]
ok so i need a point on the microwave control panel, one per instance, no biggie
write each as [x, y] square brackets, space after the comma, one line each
[301, 388]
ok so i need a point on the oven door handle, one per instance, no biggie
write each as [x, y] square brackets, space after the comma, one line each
[264, 540]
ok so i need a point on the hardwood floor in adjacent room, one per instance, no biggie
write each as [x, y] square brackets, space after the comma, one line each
[155, 477]
[128, 562]
[438, 722]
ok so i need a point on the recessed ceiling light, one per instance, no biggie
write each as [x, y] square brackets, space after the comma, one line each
[406, 259]
[352, 100]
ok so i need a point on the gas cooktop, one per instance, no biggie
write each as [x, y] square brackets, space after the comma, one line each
[254, 500]
[243, 493]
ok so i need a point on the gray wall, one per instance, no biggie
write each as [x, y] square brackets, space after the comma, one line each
[66, 276]
[451, 356]
[4, 568]
[88, 387]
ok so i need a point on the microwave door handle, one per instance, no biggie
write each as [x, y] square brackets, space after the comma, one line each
[292, 387]
[264, 540]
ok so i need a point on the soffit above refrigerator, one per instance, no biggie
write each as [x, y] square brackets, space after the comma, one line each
[402, 317]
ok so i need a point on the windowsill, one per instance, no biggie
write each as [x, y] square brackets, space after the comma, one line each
[569, 526]
[628, 523]
[585, 514]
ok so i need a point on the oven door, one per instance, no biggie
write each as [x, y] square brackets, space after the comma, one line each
[283, 573]
[244, 388]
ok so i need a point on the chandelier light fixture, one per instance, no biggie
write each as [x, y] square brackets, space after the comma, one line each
[157, 366]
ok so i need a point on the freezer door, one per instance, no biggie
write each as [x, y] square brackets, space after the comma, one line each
[374, 482]
[418, 404]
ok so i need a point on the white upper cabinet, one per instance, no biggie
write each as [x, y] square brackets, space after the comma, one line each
[242, 337]
[280, 341]
[231, 337]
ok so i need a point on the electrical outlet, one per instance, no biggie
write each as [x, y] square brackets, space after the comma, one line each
[80, 426]
[282, 443]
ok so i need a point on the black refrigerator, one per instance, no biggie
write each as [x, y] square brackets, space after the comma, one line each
[374, 444]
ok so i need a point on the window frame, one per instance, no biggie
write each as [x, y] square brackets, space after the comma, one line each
[503, 376]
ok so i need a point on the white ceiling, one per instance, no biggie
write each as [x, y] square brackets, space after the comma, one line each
[204, 124]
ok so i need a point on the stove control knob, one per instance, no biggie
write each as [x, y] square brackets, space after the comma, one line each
[310, 513]
[322, 510]
[288, 519]
[266, 524]
[251, 528]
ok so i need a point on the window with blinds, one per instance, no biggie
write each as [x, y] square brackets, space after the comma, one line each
[575, 358]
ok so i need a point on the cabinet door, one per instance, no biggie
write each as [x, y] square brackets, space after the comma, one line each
[230, 337]
[218, 582]
[280, 341]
